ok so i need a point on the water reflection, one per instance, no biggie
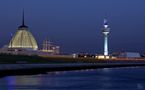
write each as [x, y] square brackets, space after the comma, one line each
[21, 82]
[102, 79]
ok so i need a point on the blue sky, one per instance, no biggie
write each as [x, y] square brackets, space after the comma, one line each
[76, 25]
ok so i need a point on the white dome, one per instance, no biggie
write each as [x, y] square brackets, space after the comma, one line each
[23, 39]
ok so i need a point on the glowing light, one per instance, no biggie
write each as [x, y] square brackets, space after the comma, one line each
[106, 26]
[23, 39]
[85, 56]
[74, 55]
[102, 57]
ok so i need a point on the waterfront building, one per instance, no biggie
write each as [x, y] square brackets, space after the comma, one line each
[50, 47]
[24, 43]
[123, 54]
[105, 32]
[23, 38]
[18, 51]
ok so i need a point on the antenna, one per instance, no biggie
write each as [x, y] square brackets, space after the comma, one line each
[23, 19]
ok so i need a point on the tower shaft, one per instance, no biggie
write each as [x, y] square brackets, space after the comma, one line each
[106, 45]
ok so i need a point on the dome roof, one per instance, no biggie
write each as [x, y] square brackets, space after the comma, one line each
[23, 39]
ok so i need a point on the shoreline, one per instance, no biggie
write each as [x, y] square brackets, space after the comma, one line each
[64, 67]
[11, 65]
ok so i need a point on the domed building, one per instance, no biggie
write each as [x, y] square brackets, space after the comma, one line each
[23, 38]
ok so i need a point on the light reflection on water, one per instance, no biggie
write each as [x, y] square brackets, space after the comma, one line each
[100, 79]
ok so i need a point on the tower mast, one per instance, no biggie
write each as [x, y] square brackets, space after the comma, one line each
[23, 19]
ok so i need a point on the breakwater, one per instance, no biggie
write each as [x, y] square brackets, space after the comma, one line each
[31, 69]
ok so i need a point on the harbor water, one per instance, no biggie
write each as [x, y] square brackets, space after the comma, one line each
[131, 78]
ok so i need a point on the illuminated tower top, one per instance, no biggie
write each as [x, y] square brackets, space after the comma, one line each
[106, 29]
[105, 23]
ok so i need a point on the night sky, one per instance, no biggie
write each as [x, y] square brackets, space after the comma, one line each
[76, 25]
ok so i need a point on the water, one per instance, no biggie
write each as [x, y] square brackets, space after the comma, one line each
[97, 79]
